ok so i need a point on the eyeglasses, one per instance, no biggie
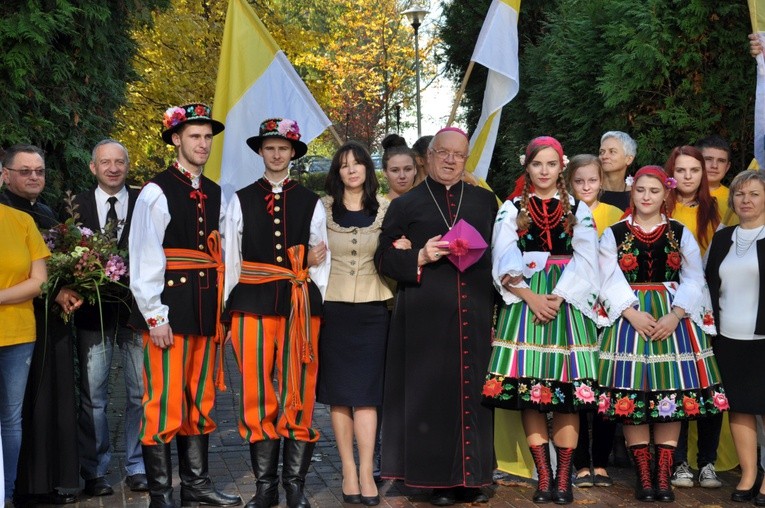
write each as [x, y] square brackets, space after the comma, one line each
[444, 154]
[26, 173]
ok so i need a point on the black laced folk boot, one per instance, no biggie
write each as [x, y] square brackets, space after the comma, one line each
[265, 465]
[541, 456]
[641, 455]
[664, 473]
[564, 493]
[196, 486]
[296, 459]
[159, 474]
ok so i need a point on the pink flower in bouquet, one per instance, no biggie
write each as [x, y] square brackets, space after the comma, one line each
[115, 268]
[86, 232]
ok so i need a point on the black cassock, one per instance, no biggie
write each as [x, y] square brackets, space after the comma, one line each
[48, 459]
[435, 431]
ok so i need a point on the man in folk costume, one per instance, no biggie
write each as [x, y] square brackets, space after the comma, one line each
[277, 267]
[436, 431]
[175, 264]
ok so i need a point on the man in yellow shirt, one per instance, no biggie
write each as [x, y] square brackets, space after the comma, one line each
[716, 153]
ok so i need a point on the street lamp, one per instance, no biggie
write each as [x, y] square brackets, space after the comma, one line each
[415, 14]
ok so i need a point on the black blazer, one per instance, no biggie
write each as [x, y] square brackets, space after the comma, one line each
[722, 244]
[87, 316]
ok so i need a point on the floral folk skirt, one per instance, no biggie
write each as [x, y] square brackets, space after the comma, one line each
[645, 381]
[548, 367]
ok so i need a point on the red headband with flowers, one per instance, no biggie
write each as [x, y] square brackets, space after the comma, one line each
[658, 173]
[545, 142]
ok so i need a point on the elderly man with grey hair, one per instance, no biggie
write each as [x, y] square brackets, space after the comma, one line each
[436, 431]
[617, 152]
[110, 201]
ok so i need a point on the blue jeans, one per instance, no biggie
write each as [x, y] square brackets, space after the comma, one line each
[14, 370]
[95, 357]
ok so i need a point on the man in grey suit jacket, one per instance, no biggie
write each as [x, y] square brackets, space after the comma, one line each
[98, 330]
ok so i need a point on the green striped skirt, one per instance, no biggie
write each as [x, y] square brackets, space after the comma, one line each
[643, 381]
[549, 367]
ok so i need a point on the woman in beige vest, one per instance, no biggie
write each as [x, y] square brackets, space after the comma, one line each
[354, 332]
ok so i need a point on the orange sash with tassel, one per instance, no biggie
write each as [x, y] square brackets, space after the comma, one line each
[189, 259]
[299, 321]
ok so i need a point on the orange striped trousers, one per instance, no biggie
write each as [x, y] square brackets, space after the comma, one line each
[261, 346]
[179, 389]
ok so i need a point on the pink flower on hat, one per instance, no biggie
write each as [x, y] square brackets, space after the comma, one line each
[289, 129]
[173, 116]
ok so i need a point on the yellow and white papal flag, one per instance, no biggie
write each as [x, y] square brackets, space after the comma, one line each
[496, 49]
[757, 15]
[255, 81]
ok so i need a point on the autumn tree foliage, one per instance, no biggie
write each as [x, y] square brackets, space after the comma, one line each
[63, 70]
[177, 62]
[669, 72]
[356, 57]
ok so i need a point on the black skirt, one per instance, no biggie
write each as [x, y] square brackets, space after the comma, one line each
[352, 354]
[741, 363]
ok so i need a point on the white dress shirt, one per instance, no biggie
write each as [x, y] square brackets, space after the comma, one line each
[147, 256]
[121, 207]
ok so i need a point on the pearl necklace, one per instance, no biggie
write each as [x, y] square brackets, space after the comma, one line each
[744, 244]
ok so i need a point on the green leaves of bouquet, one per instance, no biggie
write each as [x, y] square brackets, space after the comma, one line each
[88, 262]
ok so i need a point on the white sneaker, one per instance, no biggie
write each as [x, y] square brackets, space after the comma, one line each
[708, 478]
[683, 477]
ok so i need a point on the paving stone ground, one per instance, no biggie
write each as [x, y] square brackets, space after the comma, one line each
[230, 468]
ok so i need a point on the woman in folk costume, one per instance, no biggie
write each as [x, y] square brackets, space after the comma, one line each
[585, 176]
[656, 363]
[544, 255]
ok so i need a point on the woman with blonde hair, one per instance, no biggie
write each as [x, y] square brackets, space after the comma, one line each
[584, 175]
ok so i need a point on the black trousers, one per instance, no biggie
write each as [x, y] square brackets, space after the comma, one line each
[602, 441]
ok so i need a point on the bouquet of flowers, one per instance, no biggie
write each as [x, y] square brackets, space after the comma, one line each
[85, 261]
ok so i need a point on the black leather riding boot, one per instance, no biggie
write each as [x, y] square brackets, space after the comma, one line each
[265, 465]
[196, 486]
[297, 458]
[159, 473]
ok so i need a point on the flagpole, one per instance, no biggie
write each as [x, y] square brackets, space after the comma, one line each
[337, 137]
[460, 92]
